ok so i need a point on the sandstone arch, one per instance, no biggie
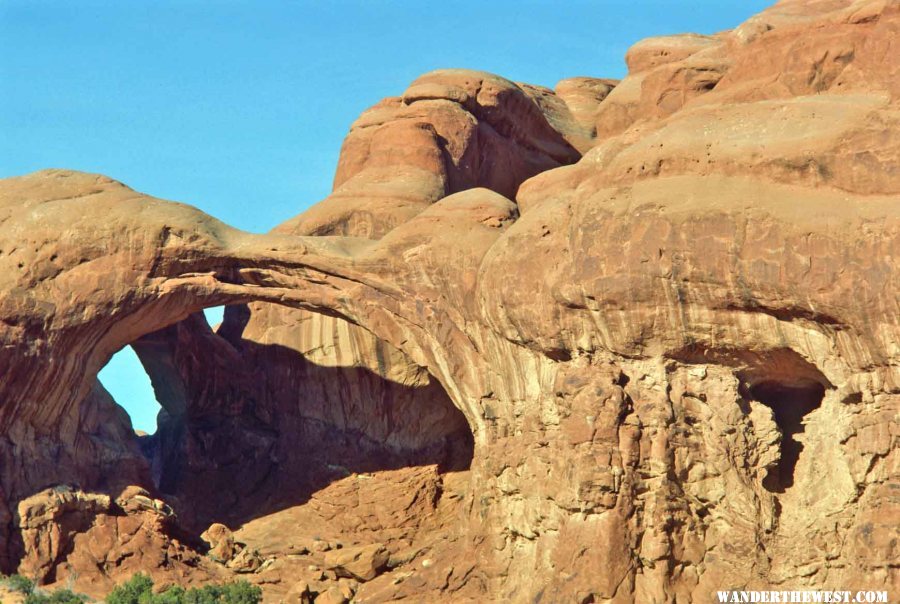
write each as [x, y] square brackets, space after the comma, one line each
[156, 265]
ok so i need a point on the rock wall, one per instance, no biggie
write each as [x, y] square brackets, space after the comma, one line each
[645, 333]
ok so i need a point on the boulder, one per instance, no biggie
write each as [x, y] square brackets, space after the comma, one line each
[221, 542]
[332, 595]
[361, 562]
[300, 593]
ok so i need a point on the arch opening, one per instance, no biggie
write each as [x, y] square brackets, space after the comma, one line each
[790, 404]
[126, 380]
[297, 427]
[215, 315]
[252, 426]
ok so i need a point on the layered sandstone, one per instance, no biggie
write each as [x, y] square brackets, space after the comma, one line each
[621, 341]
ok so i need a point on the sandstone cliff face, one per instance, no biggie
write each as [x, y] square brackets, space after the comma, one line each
[624, 341]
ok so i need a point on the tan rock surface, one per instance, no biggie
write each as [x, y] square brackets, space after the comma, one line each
[667, 369]
[361, 562]
[221, 542]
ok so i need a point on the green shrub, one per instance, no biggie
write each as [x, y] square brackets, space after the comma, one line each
[239, 592]
[173, 595]
[21, 584]
[26, 586]
[139, 590]
[61, 596]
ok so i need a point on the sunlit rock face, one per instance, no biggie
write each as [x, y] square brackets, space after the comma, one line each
[622, 341]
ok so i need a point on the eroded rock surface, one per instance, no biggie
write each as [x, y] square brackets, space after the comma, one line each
[629, 341]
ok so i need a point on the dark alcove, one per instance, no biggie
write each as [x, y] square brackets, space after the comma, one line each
[790, 403]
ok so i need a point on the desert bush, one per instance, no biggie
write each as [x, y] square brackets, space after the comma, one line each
[60, 596]
[139, 590]
[20, 584]
[239, 592]
[173, 595]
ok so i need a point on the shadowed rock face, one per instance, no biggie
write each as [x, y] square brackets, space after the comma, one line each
[664, 367]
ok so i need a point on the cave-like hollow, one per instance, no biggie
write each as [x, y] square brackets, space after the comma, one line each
[782, 380]
[250, 428]
[790, 402]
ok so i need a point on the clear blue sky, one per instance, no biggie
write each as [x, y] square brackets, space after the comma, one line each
[240, 107]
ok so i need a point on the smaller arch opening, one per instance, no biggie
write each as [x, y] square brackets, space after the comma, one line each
[126, 379]
[214, 316]
[790, 404]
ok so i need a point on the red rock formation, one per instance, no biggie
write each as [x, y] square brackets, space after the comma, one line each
[69, 535]
[669, 368]
[451, 130]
